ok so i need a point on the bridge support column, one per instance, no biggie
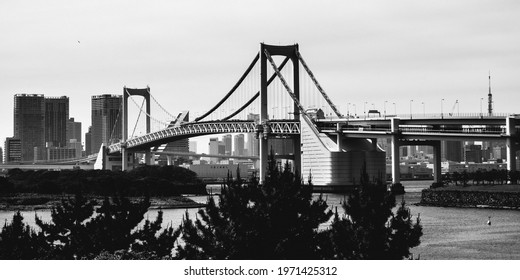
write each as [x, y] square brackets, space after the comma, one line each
[124, 159]
[396, 172]
[437, 175]
[511, 144]
[297, 144]
[148, 158]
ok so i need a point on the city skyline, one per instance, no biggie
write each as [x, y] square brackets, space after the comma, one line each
[363, 54]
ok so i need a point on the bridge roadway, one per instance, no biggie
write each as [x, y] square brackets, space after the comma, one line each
[475, 128]
[416, 131]
[192, 129]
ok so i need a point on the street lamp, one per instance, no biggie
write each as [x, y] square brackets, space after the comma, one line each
[355, 110]
[395, 109]
[384, 106]
[348, 110]
[411, 101]
[365, 108]
[423, 110]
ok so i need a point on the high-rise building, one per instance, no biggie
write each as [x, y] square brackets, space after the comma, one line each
[56, 118]
[213, 148]
[253, 145]
[88, 141]
[2, 154]
[227, 142]
[238, 145]
[106, 120]
[221, 148]
[473, 153]
[13, 150]
[73, 130]
[452, 151]
[29, 124]
[193, 146]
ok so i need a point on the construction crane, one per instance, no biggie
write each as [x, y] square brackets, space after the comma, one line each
[456, 104]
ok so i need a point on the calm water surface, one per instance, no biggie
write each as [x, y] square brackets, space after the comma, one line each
[449, 233]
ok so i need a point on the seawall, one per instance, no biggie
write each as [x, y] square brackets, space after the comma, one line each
[470, 198]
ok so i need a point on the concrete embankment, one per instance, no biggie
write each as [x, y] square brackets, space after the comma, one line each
[505, 196]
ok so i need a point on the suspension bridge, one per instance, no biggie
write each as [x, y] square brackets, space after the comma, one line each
[329, 146]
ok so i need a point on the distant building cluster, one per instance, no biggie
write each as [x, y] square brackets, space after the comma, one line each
[44, 130]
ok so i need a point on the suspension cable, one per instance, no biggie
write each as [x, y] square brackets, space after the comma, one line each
[318, 85]
[160, 106]
[152, 118]
[115, 123]
[138, 116]
[258, 92]
[232, 90]
[289, 90]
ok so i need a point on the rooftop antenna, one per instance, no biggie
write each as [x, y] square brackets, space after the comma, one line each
[490, 97]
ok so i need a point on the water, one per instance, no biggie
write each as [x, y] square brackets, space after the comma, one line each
[449, 233]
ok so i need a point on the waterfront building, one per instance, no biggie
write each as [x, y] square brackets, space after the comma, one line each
[29, 124]
[1, 154]
[12, 150]
[219, 171]
[106, 120]
[56, 118]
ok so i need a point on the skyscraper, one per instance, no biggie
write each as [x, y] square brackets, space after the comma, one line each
[106, 120]
[252, 142]
[56, 118]
[29, 125]
[227, 142]
[73, 130]
[88, 141]
[238, 145]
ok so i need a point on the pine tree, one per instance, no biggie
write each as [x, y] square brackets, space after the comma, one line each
[66, 234]
[18, 241]
[369, 229]
[276, 220]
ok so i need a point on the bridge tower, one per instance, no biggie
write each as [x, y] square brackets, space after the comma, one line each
[291, 53]
[127, 92]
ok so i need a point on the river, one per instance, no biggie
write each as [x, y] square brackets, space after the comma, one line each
[449, 233]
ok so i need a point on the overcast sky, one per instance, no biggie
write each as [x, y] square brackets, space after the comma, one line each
[187, 51]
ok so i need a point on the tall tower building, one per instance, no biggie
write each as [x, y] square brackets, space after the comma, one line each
[56, 118]
[228, 139]
[252, 142]
[238, 145]
[29, 125]
[88, 141]
[106, 120]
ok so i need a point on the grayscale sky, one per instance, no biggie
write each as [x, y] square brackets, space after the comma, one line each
[191, 52]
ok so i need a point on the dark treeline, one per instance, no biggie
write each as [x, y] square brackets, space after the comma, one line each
[144, 180]
[481, 177]
[279, 219]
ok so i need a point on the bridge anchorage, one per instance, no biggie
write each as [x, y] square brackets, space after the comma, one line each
[323, 144]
